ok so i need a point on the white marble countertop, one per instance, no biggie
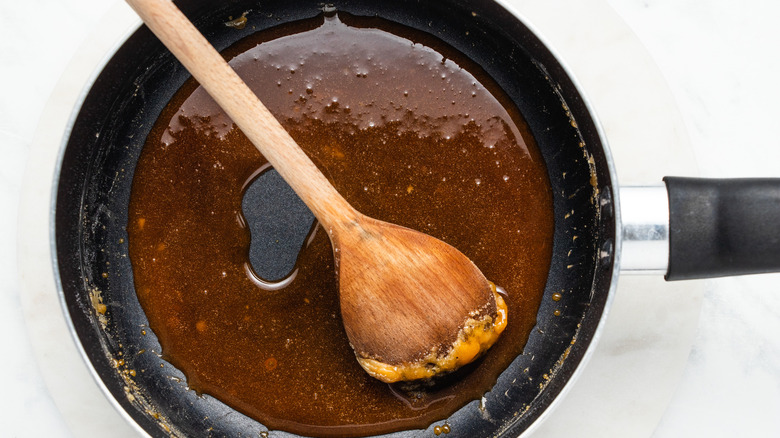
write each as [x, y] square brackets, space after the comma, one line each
[720, 64]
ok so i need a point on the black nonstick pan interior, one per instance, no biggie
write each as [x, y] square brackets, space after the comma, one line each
[95, 177]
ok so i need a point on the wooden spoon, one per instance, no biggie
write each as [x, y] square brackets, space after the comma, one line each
[412, 306]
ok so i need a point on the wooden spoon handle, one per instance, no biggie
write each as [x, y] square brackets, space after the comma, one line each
[231, 93]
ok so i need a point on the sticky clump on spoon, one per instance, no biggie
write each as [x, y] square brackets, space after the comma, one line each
[474, 339]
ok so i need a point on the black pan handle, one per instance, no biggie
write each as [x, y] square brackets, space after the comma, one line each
[722, 227]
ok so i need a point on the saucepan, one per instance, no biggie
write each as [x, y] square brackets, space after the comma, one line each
[685, 228]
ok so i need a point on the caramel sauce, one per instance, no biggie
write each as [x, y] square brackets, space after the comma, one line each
[410, 132]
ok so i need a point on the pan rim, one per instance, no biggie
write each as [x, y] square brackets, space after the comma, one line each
[616, 253]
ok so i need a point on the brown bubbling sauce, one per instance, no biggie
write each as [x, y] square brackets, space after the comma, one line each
[410, 132]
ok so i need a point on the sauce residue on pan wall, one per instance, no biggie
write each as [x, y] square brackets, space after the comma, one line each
[410, 132]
